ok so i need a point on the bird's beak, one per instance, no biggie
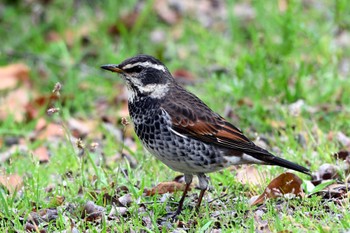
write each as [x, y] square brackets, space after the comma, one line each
[113, 68]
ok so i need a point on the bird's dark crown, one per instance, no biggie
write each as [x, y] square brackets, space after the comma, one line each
[144, 61]
[145, 68]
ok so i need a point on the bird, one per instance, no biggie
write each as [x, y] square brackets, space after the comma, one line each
[180, 130]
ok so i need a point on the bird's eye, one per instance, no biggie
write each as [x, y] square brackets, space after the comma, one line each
[135, 69]
[138, 68]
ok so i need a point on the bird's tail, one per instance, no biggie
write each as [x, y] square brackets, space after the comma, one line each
[290, 165]
[270, 159]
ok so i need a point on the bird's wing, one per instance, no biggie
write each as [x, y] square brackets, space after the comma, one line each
[192, 118]
[216, 131]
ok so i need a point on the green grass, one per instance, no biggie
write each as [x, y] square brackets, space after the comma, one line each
[274, 60]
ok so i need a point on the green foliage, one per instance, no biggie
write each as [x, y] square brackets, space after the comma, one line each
[274, 59]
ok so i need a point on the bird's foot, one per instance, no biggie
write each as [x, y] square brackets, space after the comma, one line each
[173, 216]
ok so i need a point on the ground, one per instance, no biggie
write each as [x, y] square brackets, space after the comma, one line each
[279, 70]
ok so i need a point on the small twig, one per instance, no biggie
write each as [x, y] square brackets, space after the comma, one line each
[217, 198]
[160, 202]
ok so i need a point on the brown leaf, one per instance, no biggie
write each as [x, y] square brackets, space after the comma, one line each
[11, 75]
[36, 105]
[71, 36]
[11, 182]
[165, 187]
[166, 13]
[127, 20]
[49, 131]
[31, 227]
[276, 124]
[49, 214]
[342, 155]
[14, 104]
[325, 172]
[125, 200]
[343, 139]
[81, 128]
[286, 183]
[42, 154]
[245, 101]
[92, 212]
[249, 175]
[116, 210]
[261, 224]
[334, 191]
[184, 76]
[57, 201]
[282, 5]
[40, 124]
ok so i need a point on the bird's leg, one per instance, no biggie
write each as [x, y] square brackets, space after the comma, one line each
[181, 202]
[201, 194]
[203, 185]
[188, 181]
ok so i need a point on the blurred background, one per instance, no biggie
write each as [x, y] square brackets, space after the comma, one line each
[281, 51]
[277, 69]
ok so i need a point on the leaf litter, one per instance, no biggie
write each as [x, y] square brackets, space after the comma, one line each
[15, 82]
[118, 206]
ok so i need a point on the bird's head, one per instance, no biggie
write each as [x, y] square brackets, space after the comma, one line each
[144, 76]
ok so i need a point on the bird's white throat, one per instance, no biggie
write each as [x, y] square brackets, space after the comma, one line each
[154, 90]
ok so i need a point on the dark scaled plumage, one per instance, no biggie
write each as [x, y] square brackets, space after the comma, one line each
[182, 131]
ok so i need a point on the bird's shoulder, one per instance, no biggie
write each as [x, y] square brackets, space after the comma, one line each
[191, 117]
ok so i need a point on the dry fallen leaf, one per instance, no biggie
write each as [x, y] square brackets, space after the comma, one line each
[116, 210]
[343, 139]
[11, 182]
[11, 75]
[14, 104]
[165, 12]
[325, 172]
[36, 105]
[81, 128]
[334, 191]
[49, 132]
[342, 155]
[261, 224]
[125, 200]
[245, 101]
[282, 5]
[249, 175]
[42, 154]
[296, 108]
[165, 187]
[57, 201]
[276, 124]
[184, 76]
[92, 212]
[40, 124]
[286, 183]
[31, 227]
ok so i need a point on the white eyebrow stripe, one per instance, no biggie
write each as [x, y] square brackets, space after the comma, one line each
[145, 64]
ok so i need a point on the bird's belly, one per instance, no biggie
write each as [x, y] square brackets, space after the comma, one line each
[181, 154]
[188, 160]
